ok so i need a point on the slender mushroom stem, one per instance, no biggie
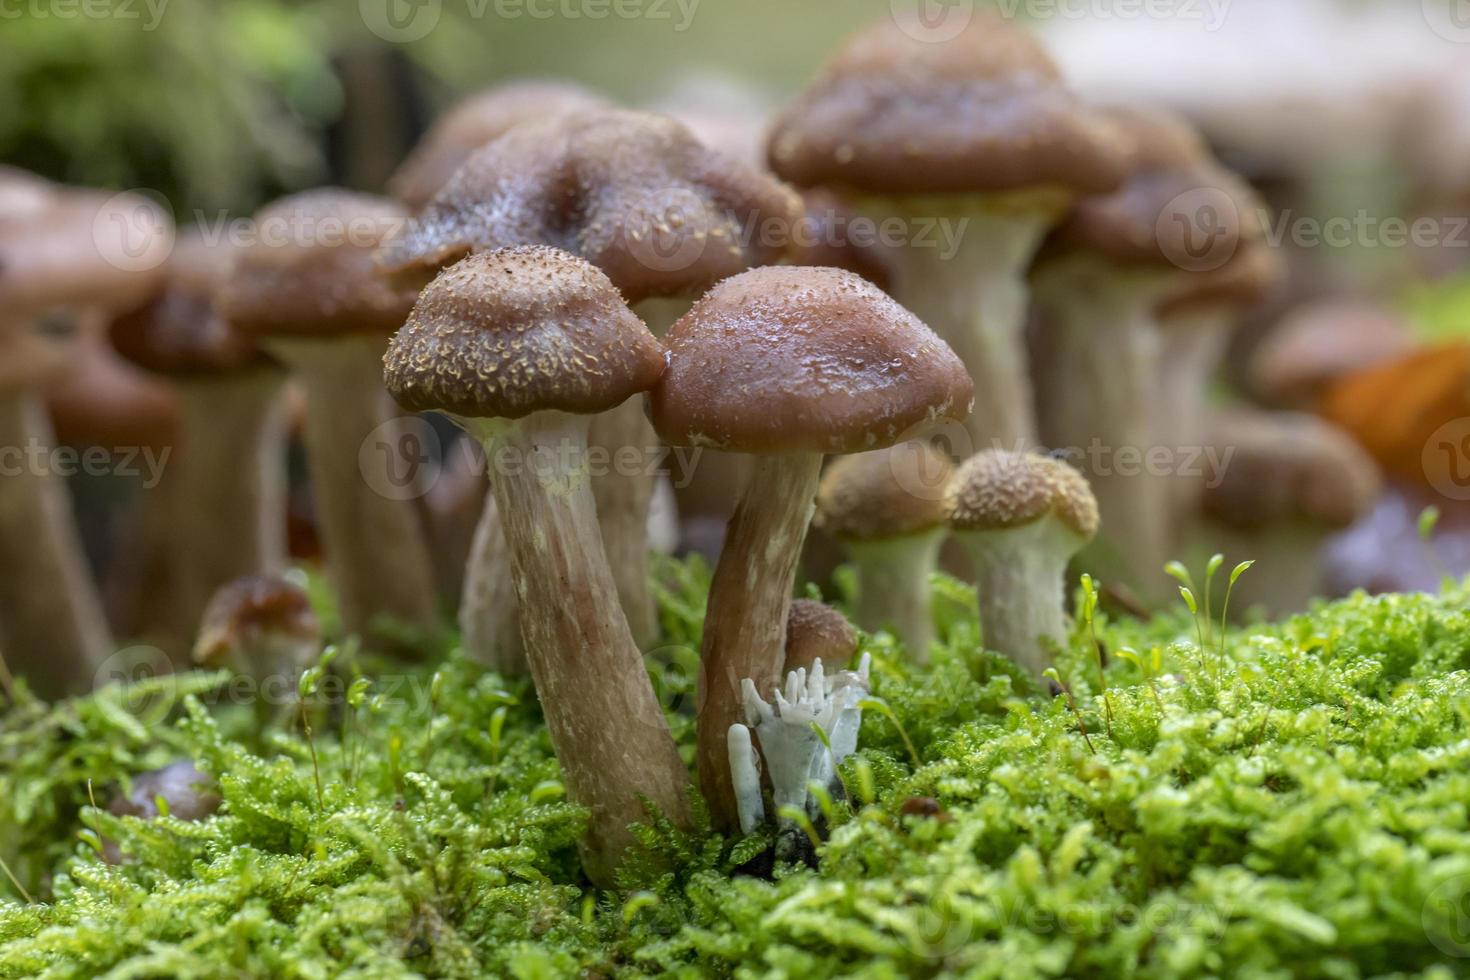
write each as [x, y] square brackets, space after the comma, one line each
[606, 724]
[1193, 345]
[230, 489]
[749, 600]
[1020, 578]
[52, 625]
[374, 545]
[489, 623]
[893, 587]
[973, 293]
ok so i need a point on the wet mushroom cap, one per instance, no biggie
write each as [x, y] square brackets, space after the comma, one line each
[310, 272]
[998, 490]
[816, 631]
[475, 121]
[503, 334]
[985, 111]
[803, 360]
[1288, 467]
[248, 609]
[633, 193]
[890, 493]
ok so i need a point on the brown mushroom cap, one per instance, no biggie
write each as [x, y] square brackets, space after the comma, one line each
[188, 793]
[1288, 467]
[983, 112]
[825, 238]
[1317, 344]
[879, 495]
[634, 194]
[815, 631]
[1248, 278]
[252, 610]
[997, 490]
[795, 360]
[506, 333]
[310, 271]
[474, 121]
[103, 400]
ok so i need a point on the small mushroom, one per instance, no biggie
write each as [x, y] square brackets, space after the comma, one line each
[815, 631]
[262, 627]
[977, 131]
[887, 509]
[521, 346]
[1288, 484]
[786, 364]
[1316, 345]
[1021, 517]
[178, 790]
[306, 292]
[228, 484]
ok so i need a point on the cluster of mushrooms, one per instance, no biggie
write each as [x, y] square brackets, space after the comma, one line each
[565, 280]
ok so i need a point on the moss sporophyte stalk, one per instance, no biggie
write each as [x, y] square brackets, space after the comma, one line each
[1295, 806]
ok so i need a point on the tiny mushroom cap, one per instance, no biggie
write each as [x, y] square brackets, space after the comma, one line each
[250, 618]
[1289, 467]
[1000, 490]
[310, 271]
[633, 193]
[867, 497]
[984, 112]
[188, 793]
[815, 631]
[803, 360]
[519, 330]
[1317, 344]
[479, 119]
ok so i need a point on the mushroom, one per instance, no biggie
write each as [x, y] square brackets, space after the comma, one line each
[1021, 517]
[887, 510]
[1316, 345]
[664, 217]
[979, 132]
[228, 485]
[476, 120]
[815, 631]
[60, 250]
[1289, 483]
[305, 290]
[1098, 284]
[520, 346]
[260, 626]
[178, 790]
[786, 364]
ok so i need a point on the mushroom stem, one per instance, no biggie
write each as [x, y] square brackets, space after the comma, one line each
[893, 587]
[52, 626]
[230, 490]
[1193, 346]
[972, 292]
[1288, 574]
[374, 545]
[749, 600]
[490, 625]
[605, 722]
[1020, 578]
[1102, 361]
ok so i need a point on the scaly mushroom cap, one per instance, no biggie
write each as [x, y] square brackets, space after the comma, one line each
[253, 610]
[188, 793]
[1318, 344]
[879, 495]
[996, 490]
[815, 631]
[1174, 193]
[474, 121]
[984, 112]
[310, 273]
[179, 331]
[634, 194]
[800, 360]
[1288, 467]
[506, 333]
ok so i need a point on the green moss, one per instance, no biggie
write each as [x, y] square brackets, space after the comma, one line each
[1306, 815]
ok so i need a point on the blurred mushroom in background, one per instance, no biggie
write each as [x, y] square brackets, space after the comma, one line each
[1318, 344]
